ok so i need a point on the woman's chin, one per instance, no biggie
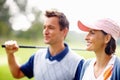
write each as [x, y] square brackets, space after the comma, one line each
[88, 49]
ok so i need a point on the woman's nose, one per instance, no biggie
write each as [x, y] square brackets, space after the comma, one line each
[87, 37]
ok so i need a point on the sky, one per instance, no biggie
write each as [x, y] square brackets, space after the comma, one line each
[83, 10]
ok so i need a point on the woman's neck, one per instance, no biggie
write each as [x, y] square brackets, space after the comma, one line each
[102, 59]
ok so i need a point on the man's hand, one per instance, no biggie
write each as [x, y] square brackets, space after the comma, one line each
[11, 47]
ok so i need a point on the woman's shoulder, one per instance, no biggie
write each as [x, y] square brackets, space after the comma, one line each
[117, 60]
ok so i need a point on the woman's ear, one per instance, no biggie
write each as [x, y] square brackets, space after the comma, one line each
[107, 38]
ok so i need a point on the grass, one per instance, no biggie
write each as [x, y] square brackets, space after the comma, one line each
[22, 56]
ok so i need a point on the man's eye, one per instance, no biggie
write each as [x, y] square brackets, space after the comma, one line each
[51, 27]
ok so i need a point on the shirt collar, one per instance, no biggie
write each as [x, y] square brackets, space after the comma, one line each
[59, 56]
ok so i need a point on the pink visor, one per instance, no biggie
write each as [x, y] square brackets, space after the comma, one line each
[107, 25]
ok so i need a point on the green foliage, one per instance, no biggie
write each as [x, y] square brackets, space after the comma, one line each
[35, 32]
[5, 30]
[1, 4]
[21, 4]
[4, 14]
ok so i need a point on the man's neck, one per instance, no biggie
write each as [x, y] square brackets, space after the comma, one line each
[56, 49]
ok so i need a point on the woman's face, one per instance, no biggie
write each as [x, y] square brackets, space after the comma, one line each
[95, 40]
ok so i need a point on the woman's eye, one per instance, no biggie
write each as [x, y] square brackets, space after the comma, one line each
[92, 32]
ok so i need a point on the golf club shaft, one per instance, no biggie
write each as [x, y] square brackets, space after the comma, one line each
[22, 46]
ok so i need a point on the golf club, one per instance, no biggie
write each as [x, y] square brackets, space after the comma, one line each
[24, 46]
[21, 46]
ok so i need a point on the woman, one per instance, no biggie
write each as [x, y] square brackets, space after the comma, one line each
[101, 39]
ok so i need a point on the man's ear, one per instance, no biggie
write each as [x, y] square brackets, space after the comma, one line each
[65, 31]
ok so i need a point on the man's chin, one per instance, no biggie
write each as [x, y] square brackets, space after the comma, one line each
[46, 42]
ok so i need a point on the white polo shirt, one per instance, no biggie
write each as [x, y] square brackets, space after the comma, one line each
[89, 72]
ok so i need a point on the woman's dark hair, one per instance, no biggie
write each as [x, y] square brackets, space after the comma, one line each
[111, 46]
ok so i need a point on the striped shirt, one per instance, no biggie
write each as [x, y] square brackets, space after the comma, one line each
[42, 63]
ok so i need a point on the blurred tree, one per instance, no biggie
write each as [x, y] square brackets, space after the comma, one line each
[4, 15]
[35, 31]
[5, 29]
[21, 4]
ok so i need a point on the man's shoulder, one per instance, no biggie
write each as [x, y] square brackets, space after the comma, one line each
[40, 52]
[73, 55]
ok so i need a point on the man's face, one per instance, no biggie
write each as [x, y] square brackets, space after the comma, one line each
[51, 32]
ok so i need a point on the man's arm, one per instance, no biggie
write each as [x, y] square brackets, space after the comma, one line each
[11, 47]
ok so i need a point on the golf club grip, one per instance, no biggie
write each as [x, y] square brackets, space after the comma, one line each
[20, 46]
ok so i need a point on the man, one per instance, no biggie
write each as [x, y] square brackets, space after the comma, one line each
[57, 62]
